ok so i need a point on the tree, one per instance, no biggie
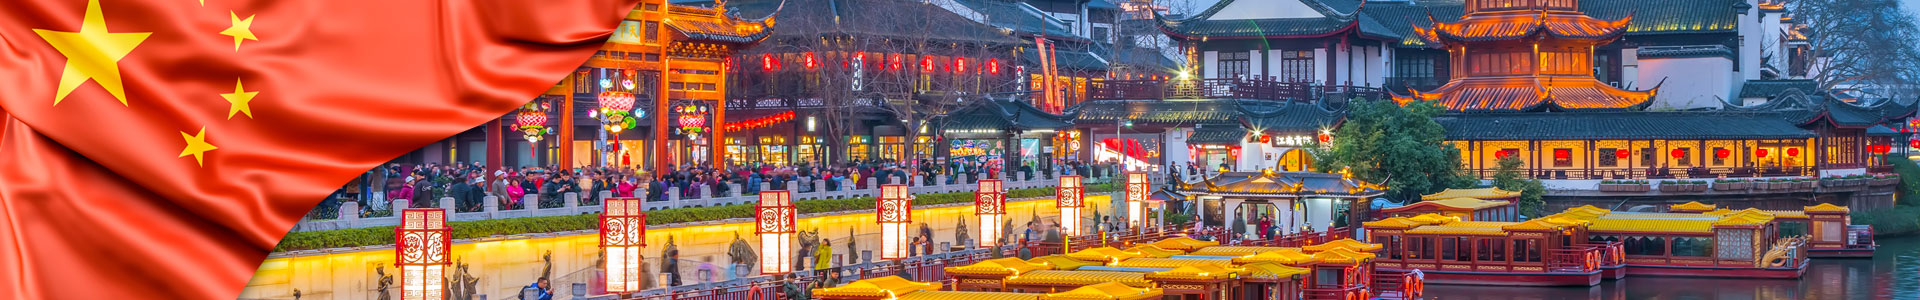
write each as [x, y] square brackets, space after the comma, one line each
[1854, 44]
[1399, 146]
[1507, 177]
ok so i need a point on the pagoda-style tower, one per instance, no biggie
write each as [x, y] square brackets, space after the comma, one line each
[1525, 55]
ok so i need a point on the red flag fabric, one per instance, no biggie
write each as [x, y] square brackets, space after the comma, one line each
[159, 149]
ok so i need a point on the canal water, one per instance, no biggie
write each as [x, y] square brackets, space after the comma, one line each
[1892, 273]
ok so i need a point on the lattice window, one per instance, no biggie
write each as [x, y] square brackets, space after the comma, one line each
[1735, 244]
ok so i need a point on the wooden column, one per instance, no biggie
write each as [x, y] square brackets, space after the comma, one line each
[495, 152]
[564, 138]
[662, 157]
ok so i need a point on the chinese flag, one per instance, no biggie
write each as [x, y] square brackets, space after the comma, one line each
[158, 149]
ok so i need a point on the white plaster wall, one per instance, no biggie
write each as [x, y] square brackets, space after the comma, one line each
[1176, 151]
[1750, 41]
[1254, 59]
[1209, 62]
[1691, 82]
[1376, 66]
[1630, 69]
[1320, 59]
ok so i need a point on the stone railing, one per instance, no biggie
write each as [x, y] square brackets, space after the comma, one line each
[349, 216]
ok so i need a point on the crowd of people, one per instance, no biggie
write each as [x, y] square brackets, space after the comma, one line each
[469, 184]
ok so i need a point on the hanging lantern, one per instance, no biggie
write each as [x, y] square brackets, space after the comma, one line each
[422, 246]
[623, 232]
[993, 66]
[989, 203]
[1067, 197]
[810, 62]
[1722, 153]
[895, 211]
[1913, 143]
[1760, 152]
[1502, 154]
[1621, 153]
[926, 64]
[532, 121]
[1562, 154]
[1678, 153]
[1794, 152]
[1137, 189]
[776, 216]
[959, 64]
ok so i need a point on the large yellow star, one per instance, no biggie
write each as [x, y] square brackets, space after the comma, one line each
[197, 146]
[242, 29]
[239, 100]
[92, 53]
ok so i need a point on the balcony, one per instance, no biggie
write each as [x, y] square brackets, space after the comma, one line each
[1225, 88]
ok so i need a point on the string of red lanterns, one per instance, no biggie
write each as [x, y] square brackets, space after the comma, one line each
[759, 122]
[959, 64]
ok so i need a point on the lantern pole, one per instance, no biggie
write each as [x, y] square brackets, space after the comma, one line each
[990, 206]
[623, 233]
[775, 217]
[1068, 198]
[422, 250]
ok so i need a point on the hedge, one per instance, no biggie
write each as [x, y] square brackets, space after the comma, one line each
[383, 235]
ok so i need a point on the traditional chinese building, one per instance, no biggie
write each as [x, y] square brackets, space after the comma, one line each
[663, 68]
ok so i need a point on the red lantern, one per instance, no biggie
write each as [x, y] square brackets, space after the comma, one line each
[766, 62]
[1325, 138]
[1913, 143]
[810, 62]
[1721, 153]
[1760, 152]
[959, 65]
[1562, 154]
[1678, 153]
[1794, 152]
[1621, 153]
[926, 64]
[1502, 154]
[896, 62]
[993, 66]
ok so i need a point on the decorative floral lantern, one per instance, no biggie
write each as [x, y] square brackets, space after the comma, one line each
[894, 212]
[422, 246]
[616, 112]
[990, 203]
[1067, 197]
[532, 121]
[623, 232]
[775, 215]
[1136, 198]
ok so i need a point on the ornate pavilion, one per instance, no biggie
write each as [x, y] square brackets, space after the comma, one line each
[1295, 201]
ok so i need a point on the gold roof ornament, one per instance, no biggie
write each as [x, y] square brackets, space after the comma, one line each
[1347, 243]
[1105, 291]
[1056, 277]
[877, 288]
[1184, 244]
[1002, 267]
[1692, 206]
[1289, 256]
[1062, 262]
[1206, 271]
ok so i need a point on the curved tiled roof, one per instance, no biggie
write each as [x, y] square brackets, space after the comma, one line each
[1063, 263]
[1507, 26]
[1692, 206]
[1150, 262]
[1479, 193]
[1106, 291]
[1055, 277]
[1206, 271]
[998, 267]
[877, 288]
[956, 295]
[1235, 251]
[1334, 21]
[1347, 243]
[1533, 93]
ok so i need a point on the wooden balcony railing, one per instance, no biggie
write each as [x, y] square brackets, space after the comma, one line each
[1225, 88]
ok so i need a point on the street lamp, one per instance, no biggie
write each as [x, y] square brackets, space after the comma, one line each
[775, 216]
[1068, 198]
[623, 232]
[421, 248]
[1137, 189]
[895, 211]
[990, 204]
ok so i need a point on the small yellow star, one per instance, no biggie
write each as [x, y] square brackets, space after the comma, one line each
[242, 29]
[93, 53]
[197, 146]
[239, 100]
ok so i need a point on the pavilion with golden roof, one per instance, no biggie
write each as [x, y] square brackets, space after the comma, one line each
[1531, 56]
[1193, 269]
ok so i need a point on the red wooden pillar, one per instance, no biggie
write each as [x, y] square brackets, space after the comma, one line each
[495, 151]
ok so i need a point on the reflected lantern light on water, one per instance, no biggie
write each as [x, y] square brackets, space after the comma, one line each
[623, 232]
[1067, 197]
[989, 204]
[894, 210]
[422, 250]
[775, 217]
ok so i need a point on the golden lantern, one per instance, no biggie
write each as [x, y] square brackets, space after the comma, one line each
[990, 204]
[623, 232]
[1068, 198]
[894, 211]
[1137, 190]
[421, 248]
[775, 218]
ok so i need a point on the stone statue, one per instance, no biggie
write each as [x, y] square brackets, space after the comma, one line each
[461, 285]
[960, 234]
[809, 241]
[384, 283]
[740, 255]
[853, 252]
[671, 264]
[547, 259]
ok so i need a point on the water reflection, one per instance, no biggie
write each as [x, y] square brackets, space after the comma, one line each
[1893, 273]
